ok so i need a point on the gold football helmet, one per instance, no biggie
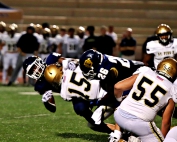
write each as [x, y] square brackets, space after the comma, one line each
[168, 68]
[81, 29]
[54, 28]
[164, 33]
[2, 24]
[53, 74]
[15, 25]
[46, 31]
[11, 28]
[38, 28]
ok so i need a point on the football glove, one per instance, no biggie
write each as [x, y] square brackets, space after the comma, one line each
[46, 96]
[134, 139]
[72, 64]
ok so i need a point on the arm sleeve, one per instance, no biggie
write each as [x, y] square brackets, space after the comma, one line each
[149, 48]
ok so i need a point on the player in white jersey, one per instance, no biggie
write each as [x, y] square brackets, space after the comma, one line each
[55, 39]
[9, 50]
[78, 89]
[81, 37]
[45, 43]
[70, 45]
[165, 46]
[88, 90]
[150, 92]
[171, 136]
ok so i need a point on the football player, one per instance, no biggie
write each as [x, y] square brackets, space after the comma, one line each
[150, 92]
[9, 50]
[70, 47]
[73, 85]
[164, 46]
[56, 39]
[108, 69]
[2, 31]
[45, 43]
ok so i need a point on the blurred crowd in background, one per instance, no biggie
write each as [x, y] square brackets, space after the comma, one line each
[42, 39]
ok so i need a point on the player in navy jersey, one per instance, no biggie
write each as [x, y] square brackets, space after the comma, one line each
[81, 106]
[108, 69]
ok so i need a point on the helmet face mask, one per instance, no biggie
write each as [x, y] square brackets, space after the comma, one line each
[89, 63]
[164, 38]
[90, 74]
[36, 69]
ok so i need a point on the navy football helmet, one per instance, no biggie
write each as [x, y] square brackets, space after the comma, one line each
[89, 63]
[34, 67]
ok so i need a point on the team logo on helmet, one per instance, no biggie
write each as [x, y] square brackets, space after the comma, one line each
[166, 68]
[88, 63]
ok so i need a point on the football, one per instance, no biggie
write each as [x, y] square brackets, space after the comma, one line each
[51, 101]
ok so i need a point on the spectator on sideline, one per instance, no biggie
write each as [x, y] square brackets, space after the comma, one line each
[105, 43]
[111, 33]
[128, 45]
[91, 41]
[27, 46]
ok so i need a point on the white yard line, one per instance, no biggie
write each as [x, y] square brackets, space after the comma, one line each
[27, 116]
[35, 93]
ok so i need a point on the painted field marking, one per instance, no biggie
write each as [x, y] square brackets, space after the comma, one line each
[35, 93]
[27, 116]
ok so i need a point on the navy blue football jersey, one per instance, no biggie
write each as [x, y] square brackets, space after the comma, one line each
[42, 85]
[124, 67]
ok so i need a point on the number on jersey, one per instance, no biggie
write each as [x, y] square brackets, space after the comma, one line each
[102, 74]
[81, 82]
[124, 62]
[153, 93]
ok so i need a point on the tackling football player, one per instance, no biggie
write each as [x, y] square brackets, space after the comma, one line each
[71, 85]
[150, 92]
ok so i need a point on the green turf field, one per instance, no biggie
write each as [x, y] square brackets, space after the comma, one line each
[24, 119]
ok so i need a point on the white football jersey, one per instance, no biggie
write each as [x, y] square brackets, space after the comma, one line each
[72, 44]
[10, 42]
[149, 94]
[160, 51]
[44, 44]
[74, 84]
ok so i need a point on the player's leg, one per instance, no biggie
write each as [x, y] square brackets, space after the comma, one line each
[81, 107]
[6, 64]
[15, 72]
[146, 131]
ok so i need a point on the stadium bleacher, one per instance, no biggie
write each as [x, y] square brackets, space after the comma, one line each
[143, 16]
